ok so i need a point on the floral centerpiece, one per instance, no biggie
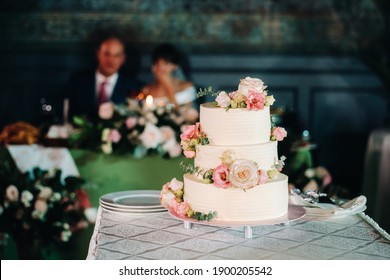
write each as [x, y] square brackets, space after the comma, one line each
[39, 210]
[136, 127]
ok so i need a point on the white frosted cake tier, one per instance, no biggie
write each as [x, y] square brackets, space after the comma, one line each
[265, 155]
[262, 202]
[235, 126]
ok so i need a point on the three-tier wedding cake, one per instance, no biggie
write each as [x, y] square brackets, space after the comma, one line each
[236, 174]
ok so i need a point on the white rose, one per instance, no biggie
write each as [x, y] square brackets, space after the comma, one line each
[151, 136]
[243, 174]
[26, 198]
[176, 184]
[223, 99]
[254, 84]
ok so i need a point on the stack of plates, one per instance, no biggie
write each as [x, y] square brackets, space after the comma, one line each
[144, 202]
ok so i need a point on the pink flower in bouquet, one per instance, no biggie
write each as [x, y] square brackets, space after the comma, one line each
[253, 84]
[179, 208]
[255, 101]
[278, 133]
[106, 110]
[220, 176]
[167, 133]
[174, 150]
[151, 136]
[114, 136]
[263, 177]
[41, 206]
[131, 122]
[12, 193]
[190, 132]
[189, 154]
[223, 99]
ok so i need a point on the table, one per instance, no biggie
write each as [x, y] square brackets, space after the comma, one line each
[160, 236]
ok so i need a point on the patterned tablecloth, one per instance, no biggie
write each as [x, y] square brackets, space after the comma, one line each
[160, 236]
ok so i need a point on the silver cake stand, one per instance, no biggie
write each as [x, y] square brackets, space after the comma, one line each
[294, 213]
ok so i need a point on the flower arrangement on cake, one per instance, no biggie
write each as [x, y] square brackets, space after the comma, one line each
[137, 127]
[230, 163]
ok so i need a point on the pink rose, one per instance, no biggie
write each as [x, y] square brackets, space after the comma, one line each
[220, 176]
[223, 99]
[41, 206]
[179, 208]
[255, 101]
[254, 84]
[190, 132]
[263, 177]
[278, 133]
[114, 136]
[12, 193]
[106, 111]
[189, 154]
[131, 122]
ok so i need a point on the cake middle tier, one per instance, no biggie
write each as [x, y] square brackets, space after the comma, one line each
[235, 126]
[265, 155]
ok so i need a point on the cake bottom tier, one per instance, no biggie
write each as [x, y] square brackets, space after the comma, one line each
[262, 202]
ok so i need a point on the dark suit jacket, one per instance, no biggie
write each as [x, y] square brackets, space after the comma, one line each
[81, 92]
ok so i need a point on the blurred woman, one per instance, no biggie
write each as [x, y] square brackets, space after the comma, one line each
[170, 84]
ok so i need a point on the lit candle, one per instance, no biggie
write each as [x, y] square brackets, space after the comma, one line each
[149, 102]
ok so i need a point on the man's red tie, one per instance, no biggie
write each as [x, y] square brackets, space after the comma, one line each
[102, 92]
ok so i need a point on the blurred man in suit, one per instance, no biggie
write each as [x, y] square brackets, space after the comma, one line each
[88, 89]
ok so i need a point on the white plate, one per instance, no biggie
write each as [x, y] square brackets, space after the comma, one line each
[133, 213]
[145, 199]
[130, 210]
[294, 212]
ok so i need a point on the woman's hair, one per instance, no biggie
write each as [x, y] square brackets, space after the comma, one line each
[167, 52]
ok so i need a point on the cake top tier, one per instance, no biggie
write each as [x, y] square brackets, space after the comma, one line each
[235, 126]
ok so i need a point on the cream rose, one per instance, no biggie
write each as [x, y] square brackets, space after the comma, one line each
[253, 84]
[243, 174]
